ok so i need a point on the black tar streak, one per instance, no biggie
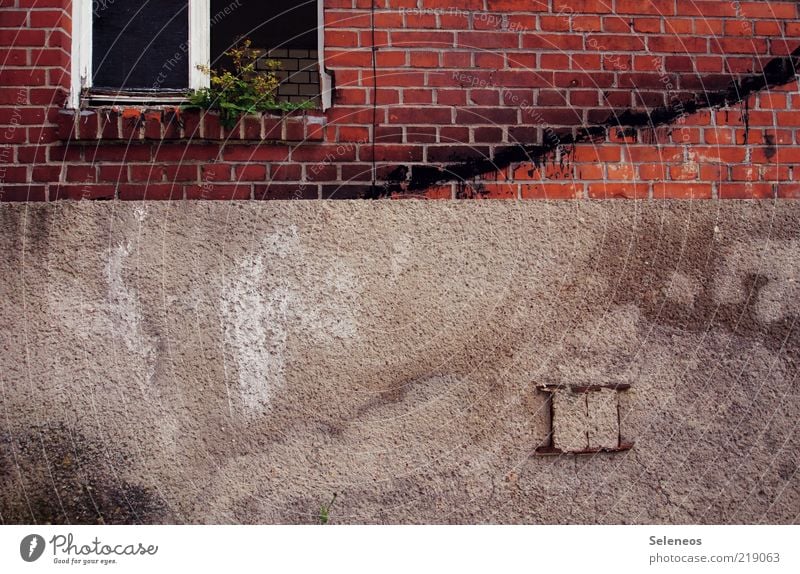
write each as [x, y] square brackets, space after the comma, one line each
[777, 72]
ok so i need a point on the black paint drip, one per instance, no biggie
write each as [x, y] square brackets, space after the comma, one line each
[777, 72]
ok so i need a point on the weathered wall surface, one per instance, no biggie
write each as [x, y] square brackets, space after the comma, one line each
[241, 362]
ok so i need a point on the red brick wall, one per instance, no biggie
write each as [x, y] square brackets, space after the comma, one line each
[495, 98]
[743, 151]
[34, 77]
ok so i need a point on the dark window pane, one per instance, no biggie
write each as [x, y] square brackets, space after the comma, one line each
[273, 24]
[141, 44]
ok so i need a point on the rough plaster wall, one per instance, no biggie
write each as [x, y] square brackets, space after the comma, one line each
[241, 362]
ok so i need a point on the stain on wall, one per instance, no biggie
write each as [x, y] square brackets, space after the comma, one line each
[56, 475]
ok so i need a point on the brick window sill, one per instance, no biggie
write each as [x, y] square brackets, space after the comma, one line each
[132, 124]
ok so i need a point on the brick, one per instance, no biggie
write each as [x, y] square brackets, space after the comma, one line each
[551, 191]
[183, 153]
[77, 192]
[431, 115]
[137, 192]
[19, 193]
[404, 153]
[146, 173]
[15, 174]
[181, 172]
[345, 191]
[274, 191]
[216, 191]
[112, 173]
[67, 125]
[634, 190]
[294, 130]
[88, 125]
[745, 190]
[250, 172]
[676, 190]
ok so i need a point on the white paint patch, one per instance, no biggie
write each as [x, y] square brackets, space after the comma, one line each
[124, 310]
[255, 311]
[140, 213]
[282, 242]
[690, 164]
[254, 330]
[267, 295]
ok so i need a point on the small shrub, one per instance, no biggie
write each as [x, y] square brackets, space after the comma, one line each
[242, 90]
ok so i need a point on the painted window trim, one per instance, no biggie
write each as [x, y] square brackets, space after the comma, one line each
[199, 42]
[199, 49]
[325, 81]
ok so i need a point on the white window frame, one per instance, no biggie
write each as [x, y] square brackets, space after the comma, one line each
[81, 66]
[199, 49]
[325, 80]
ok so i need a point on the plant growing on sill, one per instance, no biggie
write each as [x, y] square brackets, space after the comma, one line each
[243, 90]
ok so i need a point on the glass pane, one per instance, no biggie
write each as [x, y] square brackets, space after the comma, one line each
[141, 44]
[273, 24]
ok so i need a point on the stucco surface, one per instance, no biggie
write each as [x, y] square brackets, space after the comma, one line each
[201, 362]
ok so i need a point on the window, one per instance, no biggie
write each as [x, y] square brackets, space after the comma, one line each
[286, 30]
[150, 51]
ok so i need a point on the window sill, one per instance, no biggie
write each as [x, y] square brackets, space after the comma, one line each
[134, 123]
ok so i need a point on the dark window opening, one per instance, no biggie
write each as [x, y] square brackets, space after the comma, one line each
[140, 46]
[283, 30]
